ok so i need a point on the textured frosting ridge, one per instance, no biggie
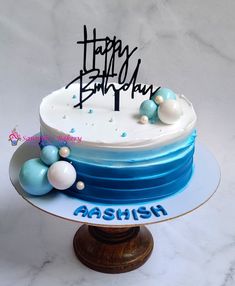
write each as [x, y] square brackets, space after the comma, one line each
[151, 175]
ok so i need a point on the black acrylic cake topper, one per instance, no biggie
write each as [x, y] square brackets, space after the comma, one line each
[114, 49]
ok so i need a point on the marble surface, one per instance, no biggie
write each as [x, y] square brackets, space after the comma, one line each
[185, 45]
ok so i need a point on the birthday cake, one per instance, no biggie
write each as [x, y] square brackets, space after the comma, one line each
[141, 153]
[114, 143]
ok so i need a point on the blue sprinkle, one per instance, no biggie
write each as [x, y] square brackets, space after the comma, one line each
[72, 130]
[90, 111]
[74, 96]
[124, 134]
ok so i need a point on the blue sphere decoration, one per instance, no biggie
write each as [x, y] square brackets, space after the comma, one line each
[33, 177]
[49, 154]
[166, 93]
[148, 108]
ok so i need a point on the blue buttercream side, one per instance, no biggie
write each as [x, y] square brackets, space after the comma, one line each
[132, 176]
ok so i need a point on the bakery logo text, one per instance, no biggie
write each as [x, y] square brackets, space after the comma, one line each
[15, 136]
[110, 52]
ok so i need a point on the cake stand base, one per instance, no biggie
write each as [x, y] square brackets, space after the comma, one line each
[113, 250]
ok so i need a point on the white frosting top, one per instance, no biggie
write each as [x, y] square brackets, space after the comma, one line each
[100, 126]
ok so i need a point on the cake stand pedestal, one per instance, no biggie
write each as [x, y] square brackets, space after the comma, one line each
[120, 245]
[113, 250]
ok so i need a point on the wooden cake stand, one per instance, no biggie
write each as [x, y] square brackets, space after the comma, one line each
[113, 250]
[117, 246]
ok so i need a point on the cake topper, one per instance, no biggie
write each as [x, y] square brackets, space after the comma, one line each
[111, 50]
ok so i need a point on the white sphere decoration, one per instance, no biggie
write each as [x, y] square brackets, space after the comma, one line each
[61, 175]
[64, 152]
[169, 111]
[144, 119]
[159, 99]
[80, 185]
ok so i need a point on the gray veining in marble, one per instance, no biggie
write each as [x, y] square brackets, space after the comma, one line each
[185, 45]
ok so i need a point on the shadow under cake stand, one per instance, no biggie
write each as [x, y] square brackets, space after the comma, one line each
[120, 245]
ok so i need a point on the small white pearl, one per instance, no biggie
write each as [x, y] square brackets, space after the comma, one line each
[159, 99]
[144, 119]
[64, 152]
[80, 185]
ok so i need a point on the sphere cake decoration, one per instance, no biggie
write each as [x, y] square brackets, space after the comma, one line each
[49, 154]
[144, 119]
[163, 105]
[80, 185]
[64, 152]
[169, 111]
[158, 99]
[148, 108]
[61, 175]
[38, 176]
[33, 177]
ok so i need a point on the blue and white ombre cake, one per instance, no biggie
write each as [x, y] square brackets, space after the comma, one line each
[143, 152]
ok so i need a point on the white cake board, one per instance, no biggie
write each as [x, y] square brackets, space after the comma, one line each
[201, 187]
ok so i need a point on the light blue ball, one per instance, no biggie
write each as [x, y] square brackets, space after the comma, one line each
[49, 154]
[166, 93]
[33, 177]
[154, 119]
[148, 108]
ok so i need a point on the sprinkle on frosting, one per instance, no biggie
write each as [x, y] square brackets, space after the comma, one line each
[74, 96]
[90, 111]
[124, 134]
[72, 130]
[138, 135]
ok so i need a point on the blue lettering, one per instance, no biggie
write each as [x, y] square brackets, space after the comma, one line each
[120, 213]
[157, 209]
[81, 209]
[143, 212]
[95, 211]
[134, 213]
[109, 214]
